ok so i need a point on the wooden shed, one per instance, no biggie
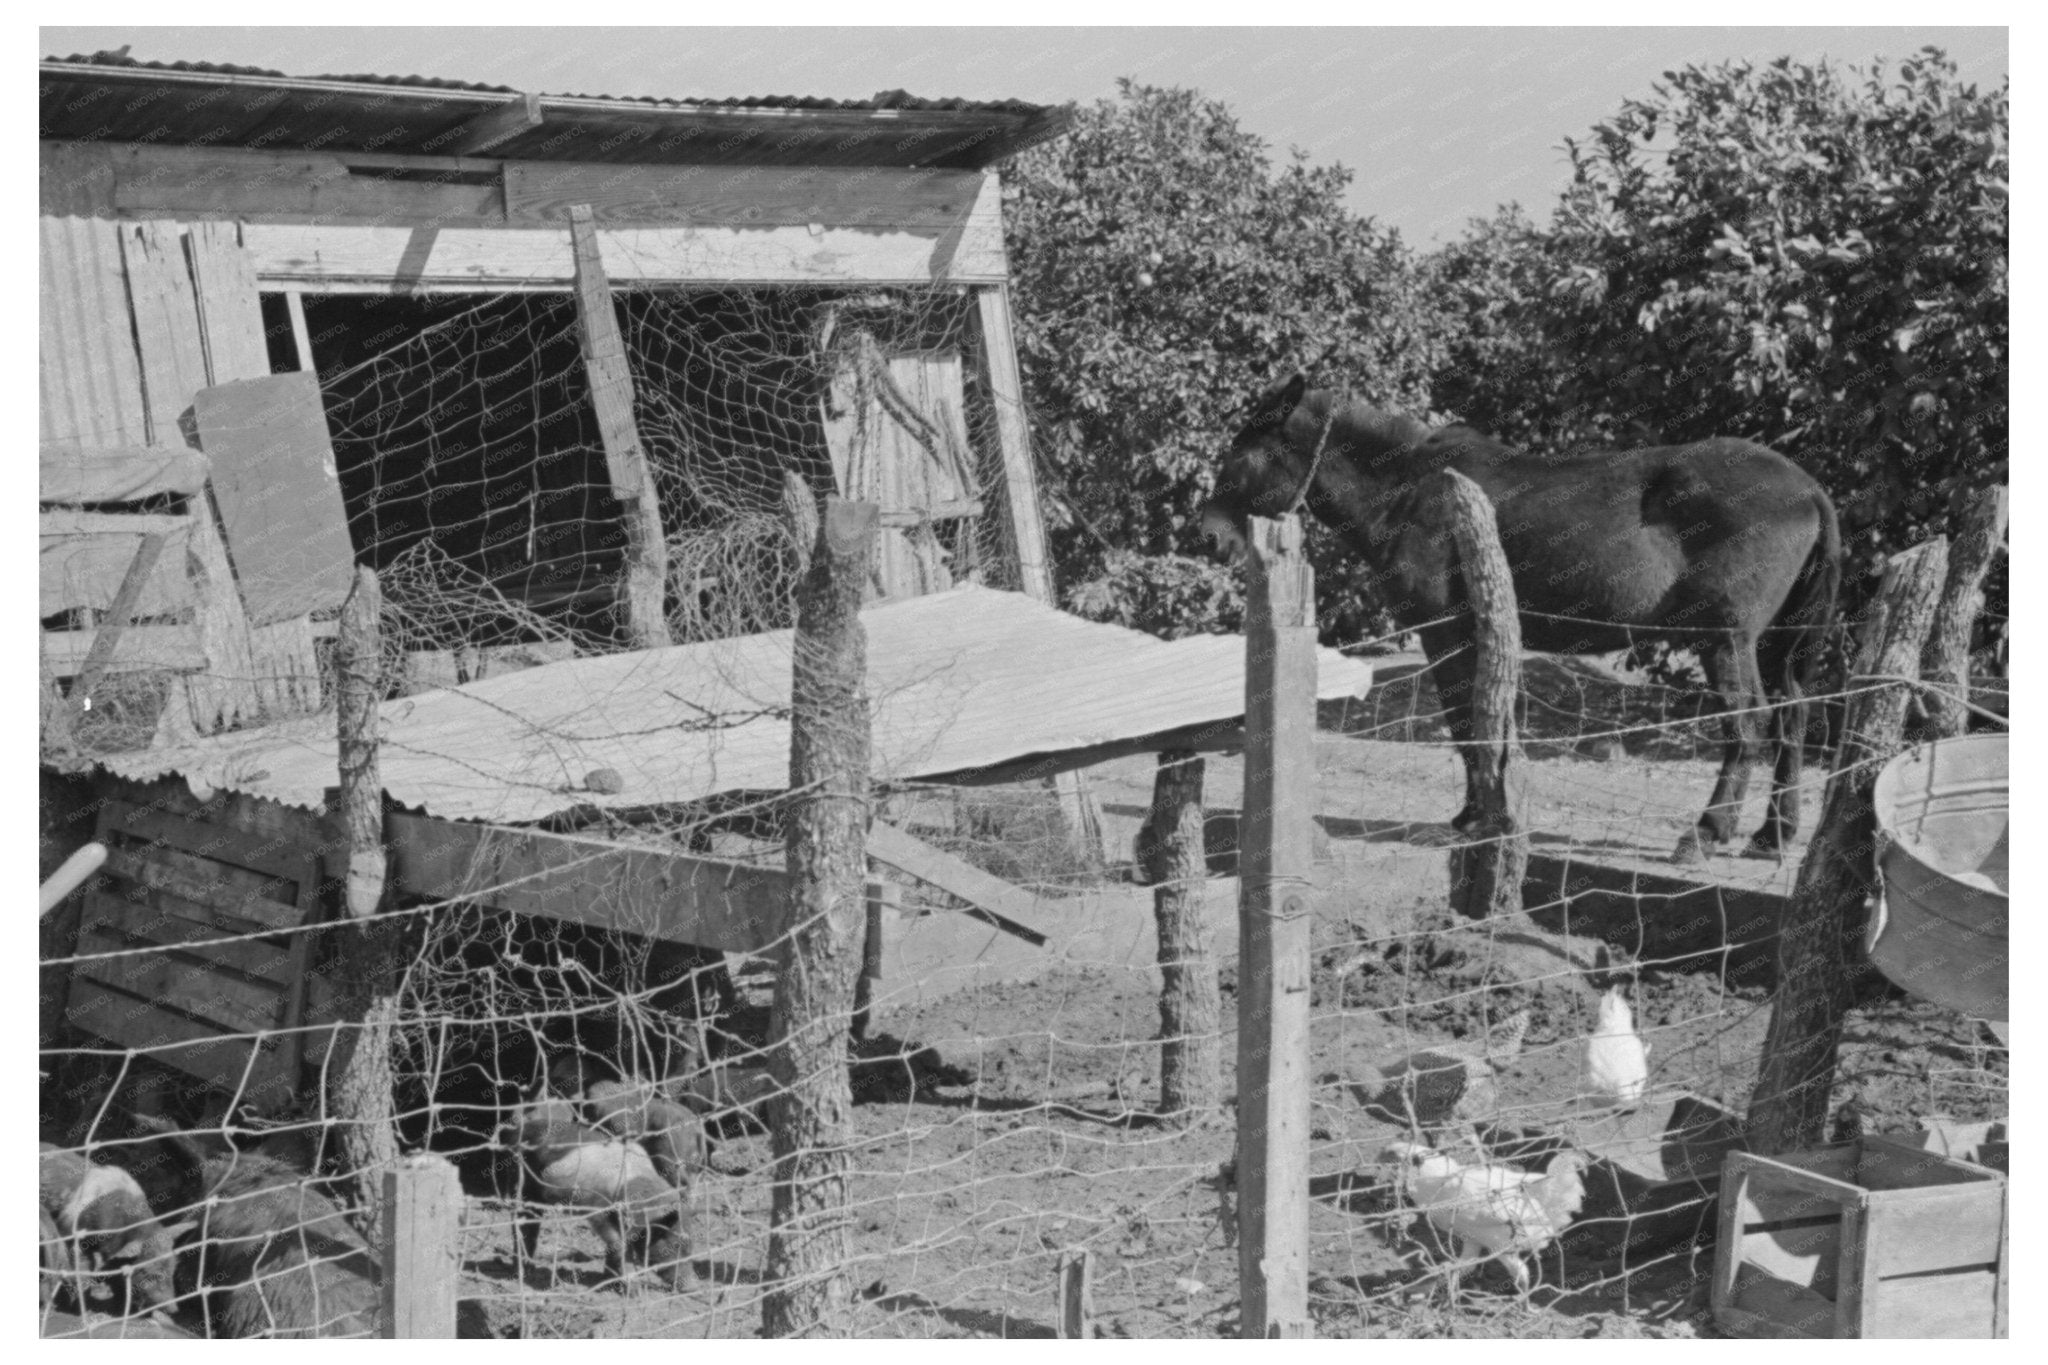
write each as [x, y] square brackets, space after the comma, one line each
[293, 324]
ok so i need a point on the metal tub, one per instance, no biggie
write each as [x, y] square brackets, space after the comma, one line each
[1943, 850]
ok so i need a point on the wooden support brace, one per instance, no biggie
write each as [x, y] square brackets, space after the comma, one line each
[611, 395]
[991, 899]
[108, 637]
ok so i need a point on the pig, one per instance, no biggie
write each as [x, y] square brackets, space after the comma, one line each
[671, 1134]
[564, 1163]
[103, 1220]
[280, 1258]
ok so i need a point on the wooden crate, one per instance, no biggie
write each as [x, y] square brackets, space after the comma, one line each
[1873, 1238]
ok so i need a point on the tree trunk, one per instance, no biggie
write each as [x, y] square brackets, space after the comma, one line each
[1190, 1001]
[808, 1291]
[363, 1099]
[1820, 953]
[1487, 871]
[1945, 662]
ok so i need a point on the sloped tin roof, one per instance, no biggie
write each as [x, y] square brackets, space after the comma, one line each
[957, 681]
[111, 97]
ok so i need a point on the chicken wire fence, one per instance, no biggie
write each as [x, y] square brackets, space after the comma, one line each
[1003, 1097]
[475, 480]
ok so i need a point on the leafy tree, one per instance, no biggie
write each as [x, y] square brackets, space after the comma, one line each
[1165, 271]
[1810, 257]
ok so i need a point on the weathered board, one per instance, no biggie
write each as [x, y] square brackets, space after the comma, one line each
[191, 949]
[280, 496]
[75, 472]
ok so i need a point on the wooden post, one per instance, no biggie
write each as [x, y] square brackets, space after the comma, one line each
[1820, 960]
[422, 1248]
[1487, 870]
[1027, 528]
[800, 510]
[1190, 1001]
[1276, 859]
[810, 1115]
[1945, 662]
[884, 898]
[1076, 1297]
[611, 395]
[363, 1100]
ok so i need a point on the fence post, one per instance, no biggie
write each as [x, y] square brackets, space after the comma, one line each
[1190, 1000]
[1276, 860]
[1820, 958]
[363, 1099]
[1487, 869]
[810, 1115]
[1945, 662]
[422, 1245]
[1076, 1308]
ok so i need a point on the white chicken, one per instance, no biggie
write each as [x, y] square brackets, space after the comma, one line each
[1617, 1058]
[1507, 1214]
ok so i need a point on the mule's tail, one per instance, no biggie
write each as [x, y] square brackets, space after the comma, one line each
[1808, 617]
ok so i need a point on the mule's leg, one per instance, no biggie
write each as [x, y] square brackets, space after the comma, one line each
[1732, 670]
[1788, 737]
[1453, 663]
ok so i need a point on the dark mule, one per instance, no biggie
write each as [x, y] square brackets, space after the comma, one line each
[1721, 545]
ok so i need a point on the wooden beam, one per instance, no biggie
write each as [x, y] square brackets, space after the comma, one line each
[75, 472]
[538, 192]
[649, 891]
[993, 900]
[375, 258]
[517, 115]
[302, 339]
[1013, 433]
[904, 518]
[143, 648]
[201, 183]
[1212, 737]
[644, 592]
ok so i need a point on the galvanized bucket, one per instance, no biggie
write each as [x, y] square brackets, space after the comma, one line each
[1943, 849]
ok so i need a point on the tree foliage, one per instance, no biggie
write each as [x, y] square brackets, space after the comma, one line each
[1807, 256]
[1166, 270]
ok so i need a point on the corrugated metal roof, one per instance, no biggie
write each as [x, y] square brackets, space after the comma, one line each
[957, 680]
[112, 97]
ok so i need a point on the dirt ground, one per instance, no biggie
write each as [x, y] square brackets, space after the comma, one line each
[1027, 1136]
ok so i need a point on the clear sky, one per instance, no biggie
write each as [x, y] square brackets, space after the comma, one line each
[1440, 124]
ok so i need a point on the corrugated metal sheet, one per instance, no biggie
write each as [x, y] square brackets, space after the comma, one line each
[958, 680]
[91, 383]
[120, 100]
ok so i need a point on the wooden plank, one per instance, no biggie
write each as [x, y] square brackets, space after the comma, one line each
[72, 522]
[198, 183]
[645, 891]
[108, 638]
[212, 888]
[645, 590]
[1890, 1165]
[280, 854]
[1935, 1234]
[1076, 1307]
[198, 988]
[485, 131]
[167, 337]
[993, 900]
[74, 472]
[422, 1226]
[90, 381]
[192, 1047]
[1277, 859]
[383, 259]
[75, 180]
[143, 649]
[230, 311]
[169, 921]
[88, 569]
[1939, 1306]
[275, 481]
[872, 197]
[302, 339]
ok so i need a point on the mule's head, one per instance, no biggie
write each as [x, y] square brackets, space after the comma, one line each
[1261, 475]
